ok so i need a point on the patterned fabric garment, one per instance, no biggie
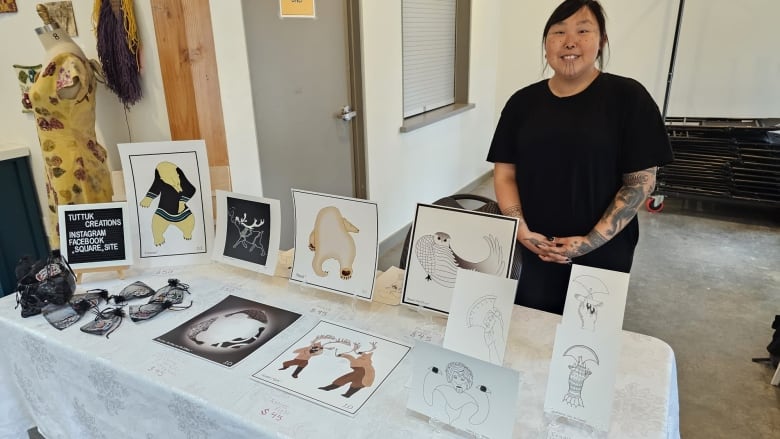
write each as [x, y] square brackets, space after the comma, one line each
[76, 168]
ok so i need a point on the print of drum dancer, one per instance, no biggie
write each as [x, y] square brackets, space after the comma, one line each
[174, 190]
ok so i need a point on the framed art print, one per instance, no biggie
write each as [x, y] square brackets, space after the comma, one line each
[444, 239]
[248, 231]
[336, 242]
[169, 199]
[95, 235]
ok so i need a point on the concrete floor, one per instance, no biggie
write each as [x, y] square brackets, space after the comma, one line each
[706, 279]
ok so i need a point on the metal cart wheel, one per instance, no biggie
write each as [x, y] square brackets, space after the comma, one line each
[655, 203]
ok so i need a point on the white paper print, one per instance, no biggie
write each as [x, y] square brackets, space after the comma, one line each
[445, 239]
[478, 323]
[248, 230]
[169, 199]
[334, 366]
[581, 383]
[464, 392]
[595, 299]
[337, 244]
[388, 286]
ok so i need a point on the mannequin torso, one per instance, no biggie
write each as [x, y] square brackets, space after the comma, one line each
[63, 100]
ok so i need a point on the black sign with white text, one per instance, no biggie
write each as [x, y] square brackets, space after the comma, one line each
[94, 235]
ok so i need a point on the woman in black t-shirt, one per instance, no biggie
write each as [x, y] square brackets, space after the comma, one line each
[575, 158]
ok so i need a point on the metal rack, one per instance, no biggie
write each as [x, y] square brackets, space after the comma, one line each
[736, 160]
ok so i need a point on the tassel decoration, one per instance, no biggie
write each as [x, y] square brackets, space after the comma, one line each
[118, 48]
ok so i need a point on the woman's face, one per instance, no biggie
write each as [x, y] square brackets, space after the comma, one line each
[571, 46]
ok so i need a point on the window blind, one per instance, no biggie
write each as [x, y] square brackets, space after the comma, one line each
[428, 54]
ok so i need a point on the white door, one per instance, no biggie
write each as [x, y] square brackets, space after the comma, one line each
[299, 68]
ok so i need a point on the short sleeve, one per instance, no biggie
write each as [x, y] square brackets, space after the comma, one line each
[502, 146]
[69, 69]
[645, 140]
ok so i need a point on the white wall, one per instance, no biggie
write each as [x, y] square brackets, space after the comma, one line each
[727, 66]
[727, 63]
[146, 121]
[437, 160]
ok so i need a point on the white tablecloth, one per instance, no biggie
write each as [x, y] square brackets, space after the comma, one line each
[76, 385]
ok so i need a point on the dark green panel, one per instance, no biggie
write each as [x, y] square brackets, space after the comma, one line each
[21, 226]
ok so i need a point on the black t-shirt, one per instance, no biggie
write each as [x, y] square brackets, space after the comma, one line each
[570, 155]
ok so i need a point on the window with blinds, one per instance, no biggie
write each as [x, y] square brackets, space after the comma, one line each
[429, 32]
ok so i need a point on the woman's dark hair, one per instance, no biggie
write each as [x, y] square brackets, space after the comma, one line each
[569, 8]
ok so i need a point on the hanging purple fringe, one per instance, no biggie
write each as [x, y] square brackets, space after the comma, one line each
[120, 65]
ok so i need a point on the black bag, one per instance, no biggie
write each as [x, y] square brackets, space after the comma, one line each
[47, 281]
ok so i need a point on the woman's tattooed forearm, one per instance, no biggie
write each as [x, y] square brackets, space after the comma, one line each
[515, 211]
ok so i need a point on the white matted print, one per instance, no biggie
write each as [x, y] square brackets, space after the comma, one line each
[336, 240]
[478, 323]
[581, 384]
[334, 366]
[595, 299]
[444, 239]
[95, 235]
[247, 232]
[464, 392]
[169, 199]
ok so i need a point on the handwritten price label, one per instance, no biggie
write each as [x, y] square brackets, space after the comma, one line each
[320, 311]
[167, 271]
[425, 335]
[277, 412]
[230, 289]
[162, 367]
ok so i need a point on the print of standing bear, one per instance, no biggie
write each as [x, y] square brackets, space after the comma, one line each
[174, 190]
[331, 239]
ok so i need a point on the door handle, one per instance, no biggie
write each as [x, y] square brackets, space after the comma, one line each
[347, 114]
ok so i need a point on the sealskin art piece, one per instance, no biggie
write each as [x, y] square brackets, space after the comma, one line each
[336, 241]
[248, 230]
[335, 366]
[229, 331]
[444, 239]
[169, 198]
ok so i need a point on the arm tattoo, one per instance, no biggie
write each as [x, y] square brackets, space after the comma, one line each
[636, 188]
[515, 211]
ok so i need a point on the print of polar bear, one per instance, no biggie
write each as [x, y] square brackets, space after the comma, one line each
[331, 239]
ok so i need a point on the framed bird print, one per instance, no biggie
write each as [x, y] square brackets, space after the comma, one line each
[445, 239]
[169, 199]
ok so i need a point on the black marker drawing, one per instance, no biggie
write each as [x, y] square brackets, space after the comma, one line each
[586, 289]
[579, 372]
[455, 395]
[249, 235]
[441, 263]
[362, 374]
[483, 314]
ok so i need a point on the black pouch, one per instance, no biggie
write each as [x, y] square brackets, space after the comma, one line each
[48, 281]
